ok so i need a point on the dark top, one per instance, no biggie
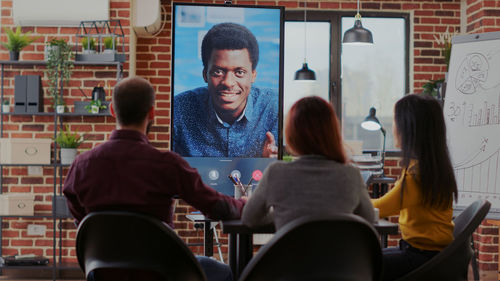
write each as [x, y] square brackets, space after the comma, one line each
[198, 132]
[128, 173]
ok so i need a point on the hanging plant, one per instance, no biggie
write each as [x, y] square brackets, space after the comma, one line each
[59, 68]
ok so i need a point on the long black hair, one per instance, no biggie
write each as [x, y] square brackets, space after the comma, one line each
[422, 132]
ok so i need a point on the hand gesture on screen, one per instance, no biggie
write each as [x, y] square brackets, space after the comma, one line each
[270, 149]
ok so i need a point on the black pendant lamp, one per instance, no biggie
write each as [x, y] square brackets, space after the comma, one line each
[358, 34]
[305, 74]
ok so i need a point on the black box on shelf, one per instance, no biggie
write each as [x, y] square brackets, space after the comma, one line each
[20, 92]
[28, 96]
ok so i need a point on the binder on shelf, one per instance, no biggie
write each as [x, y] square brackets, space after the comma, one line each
[34, 95]
[20, 90]
[28, 94]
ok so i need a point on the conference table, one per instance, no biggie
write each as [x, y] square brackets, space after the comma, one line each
[240, 249]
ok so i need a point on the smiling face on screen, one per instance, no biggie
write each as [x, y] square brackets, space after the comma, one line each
[229, 75]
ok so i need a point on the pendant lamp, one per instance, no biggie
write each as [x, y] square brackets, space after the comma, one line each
[358, 34]
[305, 74]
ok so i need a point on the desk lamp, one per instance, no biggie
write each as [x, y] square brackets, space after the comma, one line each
[371, 123]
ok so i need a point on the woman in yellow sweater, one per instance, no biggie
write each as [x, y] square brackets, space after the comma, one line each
[423, 196]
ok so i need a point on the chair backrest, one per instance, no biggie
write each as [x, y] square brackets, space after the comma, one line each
[125, 240]
[452, 263]
[341, 247]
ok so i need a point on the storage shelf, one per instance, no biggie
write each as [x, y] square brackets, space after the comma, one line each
[42, 165]
[57, 114]
[54, 269]
[42, 62]
[39, 215]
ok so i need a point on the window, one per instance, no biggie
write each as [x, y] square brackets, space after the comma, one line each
[318, 48]
[373, 76]
[352, 78]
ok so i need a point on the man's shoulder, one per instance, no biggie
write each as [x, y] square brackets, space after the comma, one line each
[192, 95]
[266, 96]
[108, 150]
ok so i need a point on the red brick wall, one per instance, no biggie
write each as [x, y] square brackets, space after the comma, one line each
[153, 62]
[483, 16]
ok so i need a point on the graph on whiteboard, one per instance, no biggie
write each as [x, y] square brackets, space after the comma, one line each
[472, 115]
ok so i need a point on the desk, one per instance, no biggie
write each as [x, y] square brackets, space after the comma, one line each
[241, 244]
[208, 235]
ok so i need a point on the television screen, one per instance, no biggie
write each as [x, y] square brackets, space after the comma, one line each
[227, 90]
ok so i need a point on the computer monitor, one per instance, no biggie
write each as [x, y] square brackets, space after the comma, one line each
[227, 87]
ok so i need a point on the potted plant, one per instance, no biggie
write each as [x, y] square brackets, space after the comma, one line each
[68, 142]
[109, 45]
[95, 106]
[59, 69]
[16, 41]
[433, 88]
[88, 45]
[6, 105]
[443, 41]
[52, 46]
[59, 104]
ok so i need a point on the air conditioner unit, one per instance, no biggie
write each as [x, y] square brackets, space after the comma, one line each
[58, 12]
[147, 17]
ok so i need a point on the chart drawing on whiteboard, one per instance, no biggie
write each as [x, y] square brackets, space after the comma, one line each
[472, 116]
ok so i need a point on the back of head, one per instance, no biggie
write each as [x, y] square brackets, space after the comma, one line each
[421, 128]
[312, 127]
[229, 36]
[133, 97]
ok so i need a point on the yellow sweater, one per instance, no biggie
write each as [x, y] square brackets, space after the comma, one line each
[423, 227]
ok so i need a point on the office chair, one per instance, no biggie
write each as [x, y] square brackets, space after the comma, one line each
[125, 240]
[452, 263]
[319, 248]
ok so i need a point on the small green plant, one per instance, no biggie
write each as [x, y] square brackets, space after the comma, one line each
[55, 42]
[16, 41]
[95, 103]
[108, 43]
[431, 87]
[67, 139]
[6, 102]
[88, 43]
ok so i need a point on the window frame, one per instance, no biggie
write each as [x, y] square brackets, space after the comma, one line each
[335, 19]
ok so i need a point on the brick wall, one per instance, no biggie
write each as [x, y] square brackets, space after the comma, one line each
[483, 16]
[153, 62]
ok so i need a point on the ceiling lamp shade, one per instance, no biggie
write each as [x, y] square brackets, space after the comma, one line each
[305, 73]
[358, 35]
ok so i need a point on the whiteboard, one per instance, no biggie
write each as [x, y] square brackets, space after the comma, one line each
[472, 116]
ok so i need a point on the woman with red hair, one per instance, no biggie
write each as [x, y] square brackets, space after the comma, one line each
[318, 182]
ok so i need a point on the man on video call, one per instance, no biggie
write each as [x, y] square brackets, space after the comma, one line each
[228, 117]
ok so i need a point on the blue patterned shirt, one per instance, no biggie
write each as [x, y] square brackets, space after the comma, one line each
[198, 131]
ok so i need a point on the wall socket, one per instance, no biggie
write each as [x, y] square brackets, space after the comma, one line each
[35, 171]
[36, 230]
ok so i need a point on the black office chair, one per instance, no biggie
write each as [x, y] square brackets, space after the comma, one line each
[131, 241]
[452, 263]
[341, 247]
